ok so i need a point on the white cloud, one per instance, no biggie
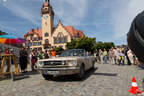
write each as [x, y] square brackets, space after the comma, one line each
[70, 11]
[4, 0]
[20, 9]
[124, 15]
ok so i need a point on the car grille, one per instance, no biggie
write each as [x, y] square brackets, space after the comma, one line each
[53, 62]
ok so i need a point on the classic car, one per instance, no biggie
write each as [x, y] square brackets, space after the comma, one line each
[69, 62]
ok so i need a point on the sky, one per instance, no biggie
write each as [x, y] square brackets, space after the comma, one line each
[106, 20]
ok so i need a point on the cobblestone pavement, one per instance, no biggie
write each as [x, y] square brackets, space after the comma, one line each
[105, 80]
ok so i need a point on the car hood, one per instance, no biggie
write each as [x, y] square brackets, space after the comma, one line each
[60, 59]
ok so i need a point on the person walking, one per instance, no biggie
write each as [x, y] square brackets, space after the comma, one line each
[126, 54]
[33, 59]
[116, 55]
[105, 56]
[23, 59]
[110, 56]
[121, 57]
[101, 56]
[130, 55]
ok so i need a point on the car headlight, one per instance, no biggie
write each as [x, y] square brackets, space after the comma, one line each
[40, 63]
[72, 63]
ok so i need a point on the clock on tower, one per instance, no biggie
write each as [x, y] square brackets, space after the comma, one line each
[45, 16]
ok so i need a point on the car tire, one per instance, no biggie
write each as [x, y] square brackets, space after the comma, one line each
[47, 77]
[82, 72]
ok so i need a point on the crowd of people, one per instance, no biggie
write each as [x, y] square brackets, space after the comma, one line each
[32, 58]
[119, 56]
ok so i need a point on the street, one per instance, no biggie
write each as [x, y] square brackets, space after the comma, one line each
[105, 80]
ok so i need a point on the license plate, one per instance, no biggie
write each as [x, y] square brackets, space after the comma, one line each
[51, 72]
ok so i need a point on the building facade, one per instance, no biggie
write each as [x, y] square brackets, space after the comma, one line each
[50, 36]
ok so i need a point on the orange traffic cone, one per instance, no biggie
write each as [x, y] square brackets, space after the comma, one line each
[134, 89]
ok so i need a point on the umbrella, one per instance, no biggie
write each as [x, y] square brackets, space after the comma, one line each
[10, 39]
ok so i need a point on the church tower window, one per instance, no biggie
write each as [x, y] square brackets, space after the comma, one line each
[46, 34]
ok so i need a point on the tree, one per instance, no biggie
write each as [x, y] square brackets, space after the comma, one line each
[83, 43]
[2, 33]
[58, 50]
[106, 45]
[71, 45]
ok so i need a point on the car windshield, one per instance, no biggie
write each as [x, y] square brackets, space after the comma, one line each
[72, 53]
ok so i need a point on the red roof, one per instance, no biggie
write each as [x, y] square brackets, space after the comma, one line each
[35, 31]
[73, 32]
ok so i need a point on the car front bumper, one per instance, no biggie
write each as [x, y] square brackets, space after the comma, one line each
[59, 71]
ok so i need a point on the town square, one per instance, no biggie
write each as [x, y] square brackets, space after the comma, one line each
[71, 48]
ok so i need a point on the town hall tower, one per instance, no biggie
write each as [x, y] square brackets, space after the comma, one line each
[47, 16]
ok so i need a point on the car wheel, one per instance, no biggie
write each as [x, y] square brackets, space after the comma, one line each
[47, 77]
[82, 72]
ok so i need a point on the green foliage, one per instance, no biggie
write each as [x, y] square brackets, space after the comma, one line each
[58, 50]
[83, 43]
[71, 45]
[2, 33]
[106, 45]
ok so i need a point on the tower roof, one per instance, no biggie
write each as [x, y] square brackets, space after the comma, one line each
[47, 3]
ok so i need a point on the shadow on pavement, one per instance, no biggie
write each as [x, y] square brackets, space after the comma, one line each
[15, 77]
[19, 77]
[105, 74]
[31, 73]
[73, 78]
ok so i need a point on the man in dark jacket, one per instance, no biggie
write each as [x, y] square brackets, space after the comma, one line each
[23, 59]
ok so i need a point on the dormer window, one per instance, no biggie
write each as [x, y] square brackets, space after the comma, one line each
[78, 35]
[46, 34]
